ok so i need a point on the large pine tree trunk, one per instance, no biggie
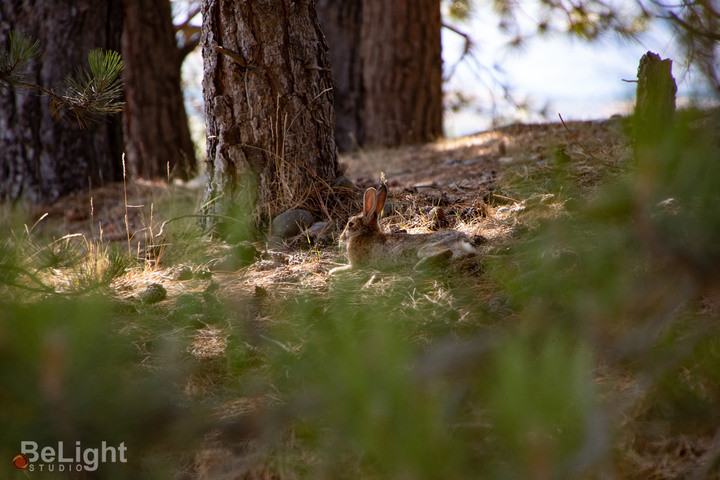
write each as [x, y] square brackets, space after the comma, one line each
[41, 157]
[269, 114]
[401, 56]
[341, 22]
[387, 68]
[156, 128]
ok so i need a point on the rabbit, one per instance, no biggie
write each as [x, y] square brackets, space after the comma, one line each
[368, 246]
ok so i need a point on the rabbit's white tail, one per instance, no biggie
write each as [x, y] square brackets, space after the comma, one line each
[462, 247]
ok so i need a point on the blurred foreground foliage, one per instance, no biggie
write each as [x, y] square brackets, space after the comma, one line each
[587, 347]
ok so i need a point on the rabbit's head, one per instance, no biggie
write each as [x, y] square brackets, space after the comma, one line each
[366, 224]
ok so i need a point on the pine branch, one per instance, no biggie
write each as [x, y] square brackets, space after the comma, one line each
[692, 30]
[21, 51]
[92, 95]
[88, 96]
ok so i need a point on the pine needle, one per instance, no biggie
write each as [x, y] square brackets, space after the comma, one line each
[89, 95]
[13, 61]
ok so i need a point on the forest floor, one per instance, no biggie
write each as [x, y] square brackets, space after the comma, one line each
[498, 184]
[483, 183]
[471, 172]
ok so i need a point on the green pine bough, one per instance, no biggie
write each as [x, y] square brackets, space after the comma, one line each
[88, 95]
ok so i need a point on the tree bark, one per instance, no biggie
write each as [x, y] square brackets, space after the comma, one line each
[269, 113]
[157, 132]
[41, 157]
[341, 22]
[402, 71]
[655, 102]
[387, 69]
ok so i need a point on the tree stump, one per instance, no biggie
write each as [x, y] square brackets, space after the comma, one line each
[655, 104]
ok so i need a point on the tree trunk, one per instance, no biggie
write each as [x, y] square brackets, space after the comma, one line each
[341, 22]
[387, 68]
[157, 133]
[269, 114]
[403, 83]
[41, 157]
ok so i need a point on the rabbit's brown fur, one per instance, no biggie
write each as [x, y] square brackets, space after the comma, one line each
[368, 246]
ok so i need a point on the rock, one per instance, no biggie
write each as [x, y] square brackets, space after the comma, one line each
[344, 182]
[246, 253]
[317, 229]
[320, 234]
[185, 273]
[154, 293]
[290, 223]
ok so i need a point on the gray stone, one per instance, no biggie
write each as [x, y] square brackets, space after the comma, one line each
[317, 229]
[154, 293]
[290, 223]
[344, 182]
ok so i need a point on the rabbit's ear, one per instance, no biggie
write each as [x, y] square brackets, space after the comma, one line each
[381, 197]
[369, 200]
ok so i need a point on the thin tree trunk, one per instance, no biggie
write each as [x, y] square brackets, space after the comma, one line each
[157, 133]
[42, 157]
[269, 114]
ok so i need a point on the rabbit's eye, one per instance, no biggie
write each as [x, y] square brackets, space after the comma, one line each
[351, 224]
